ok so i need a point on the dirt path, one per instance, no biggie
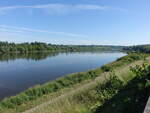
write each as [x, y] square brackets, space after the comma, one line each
[100, 79]
[147, 108]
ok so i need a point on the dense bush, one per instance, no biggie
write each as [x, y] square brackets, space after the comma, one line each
[6, 47]
[106, 68]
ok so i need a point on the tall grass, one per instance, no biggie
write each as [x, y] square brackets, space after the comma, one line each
[84, 101]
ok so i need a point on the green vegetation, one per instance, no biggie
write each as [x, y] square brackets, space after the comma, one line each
[139, 49]
[133, 97]
[100, 92]
[33, 94]
[88, 98]
[124, 60]
[96, 98]
[6, 47]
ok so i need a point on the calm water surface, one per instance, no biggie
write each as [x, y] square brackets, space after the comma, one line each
[19, 72]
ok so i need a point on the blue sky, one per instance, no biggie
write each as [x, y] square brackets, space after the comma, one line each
[115, 22]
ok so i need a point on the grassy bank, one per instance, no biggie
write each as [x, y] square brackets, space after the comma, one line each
[90, 96]
[133, 97]
[39, 94]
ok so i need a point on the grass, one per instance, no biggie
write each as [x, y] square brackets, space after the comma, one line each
[81, 101]
[133, 97]
[96, 98]
[61, 88]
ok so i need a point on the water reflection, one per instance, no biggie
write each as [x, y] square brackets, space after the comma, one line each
[27, 56]
[21, 71]
[40, 56]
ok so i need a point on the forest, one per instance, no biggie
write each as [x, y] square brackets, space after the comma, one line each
[138, 48]
[6, 47]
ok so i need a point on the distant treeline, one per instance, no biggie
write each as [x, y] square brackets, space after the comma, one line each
[6, 47]
[138, 48]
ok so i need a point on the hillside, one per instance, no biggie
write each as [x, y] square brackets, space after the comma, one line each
[133, 97]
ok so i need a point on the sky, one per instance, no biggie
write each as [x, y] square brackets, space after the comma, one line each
[96, 22]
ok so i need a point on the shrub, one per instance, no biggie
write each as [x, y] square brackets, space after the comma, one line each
[106, 68]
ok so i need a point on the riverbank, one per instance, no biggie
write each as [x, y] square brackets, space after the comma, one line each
[56, 89]
[20, 72]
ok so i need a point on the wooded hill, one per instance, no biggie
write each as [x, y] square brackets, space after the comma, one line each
[6, 47]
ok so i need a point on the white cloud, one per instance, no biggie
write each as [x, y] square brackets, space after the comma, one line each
[61, 8]
[13, 29]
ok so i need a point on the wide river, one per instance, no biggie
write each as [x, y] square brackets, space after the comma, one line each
[21, 71]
